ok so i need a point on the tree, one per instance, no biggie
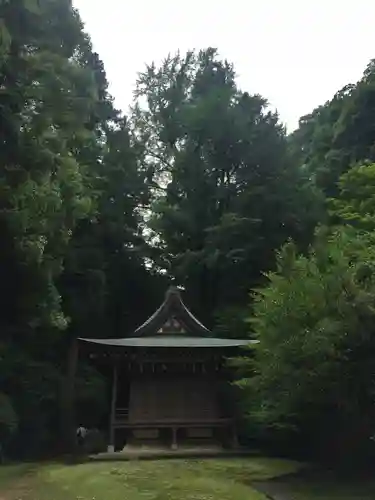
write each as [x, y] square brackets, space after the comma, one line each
[47, 95]
[72, 195]
[50, 95]
[8, 421]
[105, 263]
[225, 193]
[312, 376]
[355, 203]
[339, 134]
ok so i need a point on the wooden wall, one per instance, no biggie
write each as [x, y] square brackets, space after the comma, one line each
[179, 397]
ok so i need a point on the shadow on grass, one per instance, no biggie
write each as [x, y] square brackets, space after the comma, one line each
[320, 484]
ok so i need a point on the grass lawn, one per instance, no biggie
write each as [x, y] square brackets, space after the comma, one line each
[322, 487]
[215, 479]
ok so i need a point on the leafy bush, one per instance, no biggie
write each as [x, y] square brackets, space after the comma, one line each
[312, 375]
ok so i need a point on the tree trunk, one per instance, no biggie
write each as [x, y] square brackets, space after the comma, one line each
[349, 444]
[67, 411]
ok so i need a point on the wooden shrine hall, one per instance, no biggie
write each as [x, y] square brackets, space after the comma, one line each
[168, 380]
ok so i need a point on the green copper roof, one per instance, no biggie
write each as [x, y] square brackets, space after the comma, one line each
[172, 325]
[171, 341]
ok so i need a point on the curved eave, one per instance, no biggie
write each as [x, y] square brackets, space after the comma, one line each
[172, 305]
[171, 342]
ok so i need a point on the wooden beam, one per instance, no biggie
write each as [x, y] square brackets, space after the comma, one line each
[174, 438]
[111, 445]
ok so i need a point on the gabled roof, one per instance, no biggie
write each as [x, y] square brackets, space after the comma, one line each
[172, 317]
[172, 325]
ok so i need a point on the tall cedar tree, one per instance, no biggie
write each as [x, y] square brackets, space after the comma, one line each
[226, 194]
[69, 219]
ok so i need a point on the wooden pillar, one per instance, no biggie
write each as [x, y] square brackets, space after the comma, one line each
[174, 438]
[67, 400]
[235, 443]
[111, 445]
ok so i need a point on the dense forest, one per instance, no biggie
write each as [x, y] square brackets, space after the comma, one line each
[271, 235]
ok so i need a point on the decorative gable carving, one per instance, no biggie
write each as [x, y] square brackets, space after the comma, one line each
[172, 317]
[172, 325]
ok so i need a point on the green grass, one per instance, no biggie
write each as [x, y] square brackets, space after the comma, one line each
[11, 475]
[214, 479]
[325, 487]
[142, 480]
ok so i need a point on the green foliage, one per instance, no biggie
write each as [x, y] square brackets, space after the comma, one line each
[225, 192]
[355, 203]
[200, 185]
[338, 134]
[70, 194]
[313, 368]
[47, 99]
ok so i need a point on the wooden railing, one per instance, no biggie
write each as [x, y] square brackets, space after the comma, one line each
[121, 415]
[206, 419]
